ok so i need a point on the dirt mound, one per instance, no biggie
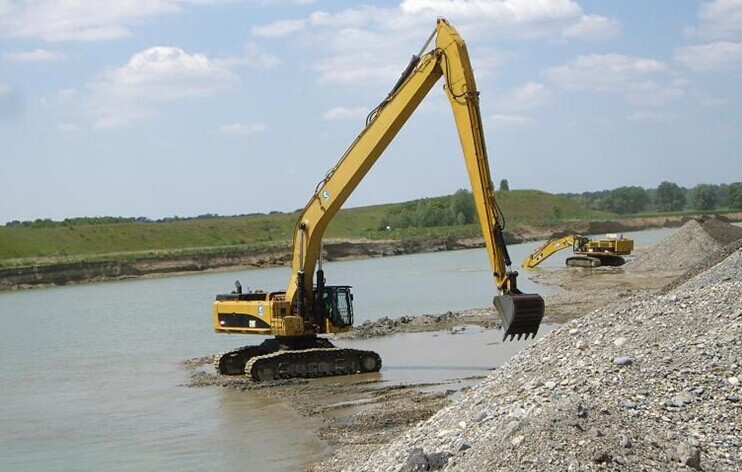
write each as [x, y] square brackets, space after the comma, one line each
[722, 232]
[688, 246]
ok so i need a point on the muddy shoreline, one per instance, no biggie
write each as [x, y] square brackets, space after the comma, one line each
[39, 276]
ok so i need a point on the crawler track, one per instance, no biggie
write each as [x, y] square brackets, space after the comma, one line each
[595, 260]
[316, 357]
[309, 363]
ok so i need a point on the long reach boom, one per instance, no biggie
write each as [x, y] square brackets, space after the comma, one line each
[307, 307]
[449, 59]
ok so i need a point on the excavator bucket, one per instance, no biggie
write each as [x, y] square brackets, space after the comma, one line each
[521, 314]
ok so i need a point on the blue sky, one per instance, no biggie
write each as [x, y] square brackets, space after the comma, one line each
[182, 107]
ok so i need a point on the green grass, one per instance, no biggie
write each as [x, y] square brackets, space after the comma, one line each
[20, 245]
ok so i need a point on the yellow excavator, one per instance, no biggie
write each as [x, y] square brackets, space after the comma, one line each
[308, 308]
[587, 252]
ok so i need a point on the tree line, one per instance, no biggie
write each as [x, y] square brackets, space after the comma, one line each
[667, 197]
[458, 209]
[102, 220]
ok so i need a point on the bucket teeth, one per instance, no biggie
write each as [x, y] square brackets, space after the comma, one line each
[521, 314]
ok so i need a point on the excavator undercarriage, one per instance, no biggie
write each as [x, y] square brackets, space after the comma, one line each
[305, 357]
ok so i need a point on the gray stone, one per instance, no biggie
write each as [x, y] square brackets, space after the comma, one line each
[437, 460]
[688, 455]
[462, 446]
[602, 457]
[630, 404]
[623, 361]
[416, 461]
[594, 433]
[481, 415]
[679, 401]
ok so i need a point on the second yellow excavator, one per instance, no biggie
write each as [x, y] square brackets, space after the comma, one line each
[587, 252]
[308, 308]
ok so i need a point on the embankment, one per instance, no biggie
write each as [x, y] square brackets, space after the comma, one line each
[98, 271]
[64, 273]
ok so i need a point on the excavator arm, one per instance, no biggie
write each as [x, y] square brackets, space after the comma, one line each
[449, 59]
[551, 246]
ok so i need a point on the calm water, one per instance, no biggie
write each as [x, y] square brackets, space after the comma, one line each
[90, 377]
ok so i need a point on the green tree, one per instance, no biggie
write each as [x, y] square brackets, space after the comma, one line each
[703, 197]
[625, 200]
[734, 195]
[462, 203]
[669, 197]
[504, 185]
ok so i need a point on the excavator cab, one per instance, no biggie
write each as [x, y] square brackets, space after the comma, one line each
[336, 305]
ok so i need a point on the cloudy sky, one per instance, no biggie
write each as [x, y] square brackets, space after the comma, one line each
[182, 107]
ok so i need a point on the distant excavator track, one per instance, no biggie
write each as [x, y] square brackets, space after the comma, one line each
[595, 260]
[270, 360]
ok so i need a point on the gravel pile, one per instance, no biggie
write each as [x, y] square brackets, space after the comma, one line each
[689, 245]
[649, 383]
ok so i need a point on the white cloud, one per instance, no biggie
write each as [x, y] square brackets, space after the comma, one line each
[604, 73]
[718, 56]
[514, 11]
[81, 20]
[279, 28]
[342, 113]
[4, 89]
[517, 120]
[37, 55]
[524, 97]
[69, 128]
[719, 19]
[157, 74]
[369, 45]
[593, 27]
[515, 18]
[90, 20]
[640, 80]
[244, 129]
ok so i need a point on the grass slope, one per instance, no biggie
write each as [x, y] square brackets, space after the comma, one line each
[21, 245]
